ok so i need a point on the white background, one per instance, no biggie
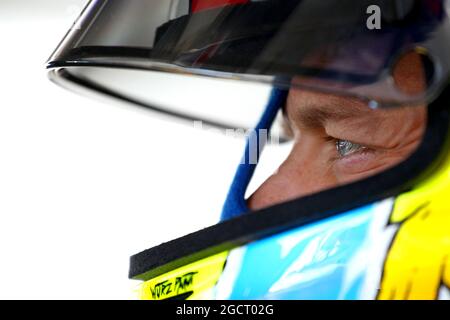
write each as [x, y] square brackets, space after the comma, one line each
[85, 184]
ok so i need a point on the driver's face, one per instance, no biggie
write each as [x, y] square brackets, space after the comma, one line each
[338, 140]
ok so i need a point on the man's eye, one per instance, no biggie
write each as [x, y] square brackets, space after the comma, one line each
[346, 148]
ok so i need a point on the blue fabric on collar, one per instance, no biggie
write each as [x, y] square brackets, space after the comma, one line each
[235, 204]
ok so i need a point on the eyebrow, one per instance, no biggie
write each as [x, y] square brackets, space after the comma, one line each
[316, 114]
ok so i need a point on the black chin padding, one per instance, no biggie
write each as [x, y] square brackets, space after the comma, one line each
[250, 227]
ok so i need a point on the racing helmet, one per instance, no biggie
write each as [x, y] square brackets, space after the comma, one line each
[385, 236]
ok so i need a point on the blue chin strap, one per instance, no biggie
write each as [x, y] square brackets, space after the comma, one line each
[235, 204]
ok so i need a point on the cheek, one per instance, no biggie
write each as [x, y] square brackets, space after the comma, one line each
[304, 172]
[274, 190]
